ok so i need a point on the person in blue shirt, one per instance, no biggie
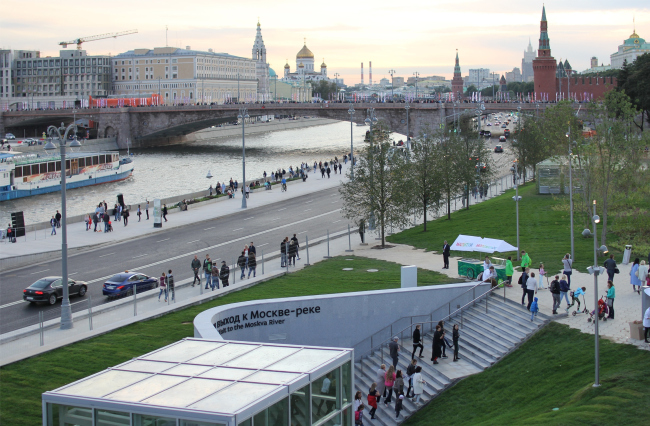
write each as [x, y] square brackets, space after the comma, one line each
[284, 183]
[578, 292]
[534, 308]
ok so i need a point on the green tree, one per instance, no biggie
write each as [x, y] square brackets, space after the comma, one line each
[449, 159]
[423, 171]
[634, 80]
[376, 193]
[326, 90]
[471, 151]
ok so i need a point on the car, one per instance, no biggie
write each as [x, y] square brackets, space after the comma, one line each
[49, 290]
[506, 132]
[498, 148]
[489, 124]
[502, 138]
[504, 125]
[487, 134]
[30, 142]
[123, 284]
[10, 136]
[481, 167]
[482, 132]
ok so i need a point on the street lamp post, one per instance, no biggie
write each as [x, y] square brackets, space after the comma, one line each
[351, 112]
[243, 115]
[408, 127]
[516, 198]
[52, 131]
[417, 75]
[370, 120]
[392, 87]
[571, 191]
[336, 81]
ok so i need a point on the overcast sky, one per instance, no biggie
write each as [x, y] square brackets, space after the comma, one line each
[406, 36]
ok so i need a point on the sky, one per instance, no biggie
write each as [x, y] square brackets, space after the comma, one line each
[406, 36]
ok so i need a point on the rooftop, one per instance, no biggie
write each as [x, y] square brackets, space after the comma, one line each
[172, 51]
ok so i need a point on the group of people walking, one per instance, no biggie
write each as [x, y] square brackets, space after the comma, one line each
[289, 251]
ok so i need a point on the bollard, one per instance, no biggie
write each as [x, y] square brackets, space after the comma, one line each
[90, 312]
[350, 240]
[40, 326]
[307, 246]
[201, 288]
[262, 262]
[328, 246]
[135, 300]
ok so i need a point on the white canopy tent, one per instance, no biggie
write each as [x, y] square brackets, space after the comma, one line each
[485, 245]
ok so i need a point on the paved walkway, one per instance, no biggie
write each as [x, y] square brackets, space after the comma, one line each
[627, 305]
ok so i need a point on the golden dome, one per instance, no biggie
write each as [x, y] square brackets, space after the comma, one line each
[323, 65]
[286, 66]
[634, 35]
[305, 53]
[301, 65]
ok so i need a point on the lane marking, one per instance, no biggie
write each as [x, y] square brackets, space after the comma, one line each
[283, 208]
[38, 272]
[337, 220]
[13, 303]
[301, 232]
[307, 210]
[334, 202]
[307, 202]
[212, 227]
[160, 241]
[238, 229]
[195, 241]
[262, 245]
[249, 218]
[141, 255]
[275, 218]
[73, 273]
[104, 255]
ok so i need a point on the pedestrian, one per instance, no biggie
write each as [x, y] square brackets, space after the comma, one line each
[215, 276]
[207, 271]
[418, 384]
[328, 172]
[362, 230]
[611, 294]
[125, 215]
[437, 345]
[509, 271]
[531, 289]
[241, 262]
[568, 267]
[283, 253]
[357, 400]
[534, 308]
[10, 234]
[634, 276]
[340, 167]
[252, 263]
[643, 273]
[322, 172]
[96, 221]
[164, 212]
[417, 342]
[163, 286]
[293, 250]
[445, 255]
[381, 387]
[171, 289]
[564, 290]
[610, 265]
[146, 209]
[196, 265]
[120, 208]
[455, 337]
[88, 221]
[295, 240]
[139, 213]
[107, 220]
[525, 260]
[252, 249]
[445, 341]
[210, 190]
[398, 404]
[575, 297]
[394, 351]
[646, 324]
[53, 225]
[57, 216]
[410, 371]
[522, 282]
[358, 415]
[398, 387]
[224, 274]
[248, 191]
[555, 292]
[115, 212]
[542, 273]
[389, 381]
[372, 399]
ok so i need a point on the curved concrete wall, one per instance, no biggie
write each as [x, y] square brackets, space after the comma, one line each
[341, 320]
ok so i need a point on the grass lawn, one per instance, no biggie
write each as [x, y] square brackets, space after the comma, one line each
[554, 369]
[544, 229]
[22, 383]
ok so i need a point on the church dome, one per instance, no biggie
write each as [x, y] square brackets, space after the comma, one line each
[634, 35]
[305, 53]
[301, 65]
[286, 66]
[272, 73]
[323, 65]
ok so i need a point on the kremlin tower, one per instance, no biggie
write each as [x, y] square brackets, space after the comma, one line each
[457, 81]
[544, 65]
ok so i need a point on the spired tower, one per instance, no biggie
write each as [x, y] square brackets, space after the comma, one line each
[261, 66]
[457, 81]
[544, 65]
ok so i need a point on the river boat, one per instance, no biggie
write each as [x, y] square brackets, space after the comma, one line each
[24, 175]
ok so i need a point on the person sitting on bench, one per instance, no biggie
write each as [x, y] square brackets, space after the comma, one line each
[490, 276]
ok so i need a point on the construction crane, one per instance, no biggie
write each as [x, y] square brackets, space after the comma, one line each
[78, 41]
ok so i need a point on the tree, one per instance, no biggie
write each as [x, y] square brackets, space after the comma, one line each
[376, 192]
[326, 90]
[635, 82]
[471, 151]
[449, 158]
[471, 89]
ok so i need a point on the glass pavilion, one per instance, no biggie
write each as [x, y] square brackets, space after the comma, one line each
[197, 382]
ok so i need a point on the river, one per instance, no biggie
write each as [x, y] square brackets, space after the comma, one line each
[176, 170]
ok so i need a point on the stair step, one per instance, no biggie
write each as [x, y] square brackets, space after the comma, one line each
[515, 308]
[504, 328]
[522, 321]
[486, 335]
[474, 354]
[438, 380]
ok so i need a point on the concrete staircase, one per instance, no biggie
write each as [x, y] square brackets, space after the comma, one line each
[484, 339]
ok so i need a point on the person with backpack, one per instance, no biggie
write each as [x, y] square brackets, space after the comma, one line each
[358, 415]
[523, 278]
[125, 215]
[564, 290]
[171, 290]
[224, 274]
[534, 308]
[252, 263]
[241, 262]
[372, 399]
[215, 276]
[555, 292]
[207, 271]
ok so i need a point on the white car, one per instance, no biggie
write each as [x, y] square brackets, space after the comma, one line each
[10, 136]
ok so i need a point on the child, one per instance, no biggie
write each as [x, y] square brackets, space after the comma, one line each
[398, 405]
[372, 399]
[575, 298]
[542, 273]
[358, 415]
[533, 309]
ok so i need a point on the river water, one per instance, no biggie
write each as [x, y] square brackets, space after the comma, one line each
[176, 170]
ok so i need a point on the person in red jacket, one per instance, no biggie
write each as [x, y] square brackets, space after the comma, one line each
[372, 399]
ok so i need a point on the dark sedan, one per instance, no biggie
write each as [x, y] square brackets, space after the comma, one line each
[49, 290]
[123, 284]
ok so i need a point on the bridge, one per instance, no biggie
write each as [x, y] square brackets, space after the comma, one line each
[168, 125]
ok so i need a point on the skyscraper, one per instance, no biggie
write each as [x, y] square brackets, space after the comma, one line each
[527, 63]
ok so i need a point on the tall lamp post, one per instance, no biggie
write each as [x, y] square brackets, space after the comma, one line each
[568, 135]
[595, 271]
[351, 112]
[370, 120]
[391, 72]
[243, 115]
[417, 76]
[408, 127]
[55, 133]
[514, 171]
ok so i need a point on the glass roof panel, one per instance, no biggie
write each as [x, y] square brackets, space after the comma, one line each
[304, 361]
[104, 383]
[187, 392]
[234, 398]
[227, 373]
[187, 370]
[273, 377]
[261, 357]
[147, 366]
[183, 351]
[223, 354]
[146, 388]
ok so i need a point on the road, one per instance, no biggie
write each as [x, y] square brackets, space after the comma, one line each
[223, 238]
